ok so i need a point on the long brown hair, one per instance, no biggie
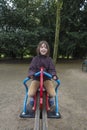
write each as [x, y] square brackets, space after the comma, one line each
[47, 46]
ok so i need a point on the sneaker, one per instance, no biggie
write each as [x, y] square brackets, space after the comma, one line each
[52, 108]
[51, 104]
[32, 101]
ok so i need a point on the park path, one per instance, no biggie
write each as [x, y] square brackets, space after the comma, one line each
[72, 98]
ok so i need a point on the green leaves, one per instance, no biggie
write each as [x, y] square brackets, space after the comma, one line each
[26, 22]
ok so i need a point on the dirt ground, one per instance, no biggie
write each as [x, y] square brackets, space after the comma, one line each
[72, 97]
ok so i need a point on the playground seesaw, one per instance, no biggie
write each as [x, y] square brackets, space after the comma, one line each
[41, 109]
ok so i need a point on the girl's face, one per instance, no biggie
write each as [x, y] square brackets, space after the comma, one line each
[43, 49]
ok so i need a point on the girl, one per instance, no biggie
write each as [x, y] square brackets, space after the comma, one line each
[42, 60]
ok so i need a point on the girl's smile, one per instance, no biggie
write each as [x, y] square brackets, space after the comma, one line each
[43, 49]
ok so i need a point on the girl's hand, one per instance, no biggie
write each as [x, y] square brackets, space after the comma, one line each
[31, 77]
[55, 77]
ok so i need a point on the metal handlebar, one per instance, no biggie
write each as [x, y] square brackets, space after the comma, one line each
[38, 73]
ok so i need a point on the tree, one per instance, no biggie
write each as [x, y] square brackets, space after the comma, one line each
[73, 30]
[59, 6]
[23, 23]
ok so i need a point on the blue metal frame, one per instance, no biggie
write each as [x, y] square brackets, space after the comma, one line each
[56, 98]
[26, 95]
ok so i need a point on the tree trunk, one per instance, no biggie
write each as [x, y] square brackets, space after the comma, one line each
[59, 6]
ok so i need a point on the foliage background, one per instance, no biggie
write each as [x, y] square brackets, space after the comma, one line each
[23, 23]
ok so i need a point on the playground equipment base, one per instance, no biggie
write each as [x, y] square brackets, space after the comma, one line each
[31, 114]
[52, 114]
